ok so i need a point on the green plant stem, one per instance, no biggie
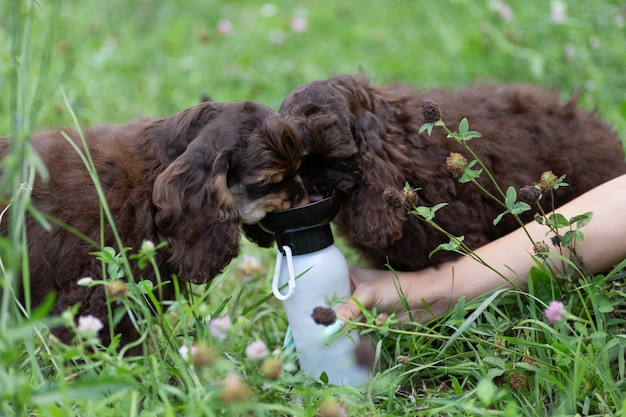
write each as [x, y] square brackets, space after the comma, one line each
[491, 178]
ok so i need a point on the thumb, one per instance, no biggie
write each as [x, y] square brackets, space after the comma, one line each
[363, 296]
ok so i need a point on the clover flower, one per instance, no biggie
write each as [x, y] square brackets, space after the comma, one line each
[250, 265]
[541, 249]
[502, 9]
[271, 367]
[89, 324]
[219, 327]
[431, 112]
[332, 408]
[187, 352]
[403, 359]
[200, 354]
[557, 11]
[299, 24]
[257, 350]
[555, 312]
[234, 388]
[224, 27]
[324, 315]
[547, 181]
[530, 194]
[116, 289]
[409, 197]
[456, 164]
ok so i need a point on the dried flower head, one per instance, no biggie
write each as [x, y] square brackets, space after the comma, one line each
[324, 315]
[116, 290]
[547, 181]
[530, 194]
[518, 381]
[541, 249]
[250, 265]
[332, 408]
[409, 197]
[499, 345]
[234, 388]
[555, 312]
[203, 355]
[403, 359]
[271, 367]
[456, 164]
[431, 112]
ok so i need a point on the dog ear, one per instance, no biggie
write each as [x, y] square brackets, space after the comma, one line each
[371, 220]
[196, 214]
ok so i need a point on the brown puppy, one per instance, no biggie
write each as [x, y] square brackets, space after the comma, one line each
[189, 180]
[362, 140]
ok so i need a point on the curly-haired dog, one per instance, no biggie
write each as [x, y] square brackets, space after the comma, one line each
[362, 139]
[189, 180]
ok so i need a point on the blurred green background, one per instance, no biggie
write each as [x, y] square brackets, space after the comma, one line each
[117, 60]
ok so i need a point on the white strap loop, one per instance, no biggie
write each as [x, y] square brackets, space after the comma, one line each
[292, 276]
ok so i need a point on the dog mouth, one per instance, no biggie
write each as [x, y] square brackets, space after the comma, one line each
[315, 195]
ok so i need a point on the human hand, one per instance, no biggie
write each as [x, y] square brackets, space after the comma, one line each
[381, 289]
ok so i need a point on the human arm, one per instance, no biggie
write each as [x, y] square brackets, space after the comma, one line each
[441, 286]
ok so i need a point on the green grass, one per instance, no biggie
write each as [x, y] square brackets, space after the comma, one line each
[118, 60]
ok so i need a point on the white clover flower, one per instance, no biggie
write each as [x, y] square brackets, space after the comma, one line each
[557, 13]
[299, 24]
[224, 27]
[257, 350]
[502, 9]
[187, 353]
[218, 327]
[89, 324]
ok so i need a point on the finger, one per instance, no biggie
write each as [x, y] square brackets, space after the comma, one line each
[351, 310]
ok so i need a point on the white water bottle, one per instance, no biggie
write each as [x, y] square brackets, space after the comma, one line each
[312, 272]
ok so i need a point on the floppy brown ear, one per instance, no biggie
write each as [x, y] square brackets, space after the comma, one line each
[196, 214]
[371, 221]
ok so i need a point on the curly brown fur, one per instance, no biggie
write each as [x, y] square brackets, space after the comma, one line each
[189, 180]
[362, 139]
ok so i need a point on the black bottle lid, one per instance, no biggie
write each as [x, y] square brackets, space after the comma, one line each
[303, 229]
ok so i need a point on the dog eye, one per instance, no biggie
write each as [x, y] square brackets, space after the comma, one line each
[277, 177]
[344, 165]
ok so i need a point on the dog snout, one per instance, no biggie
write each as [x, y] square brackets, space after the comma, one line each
[298, 195]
